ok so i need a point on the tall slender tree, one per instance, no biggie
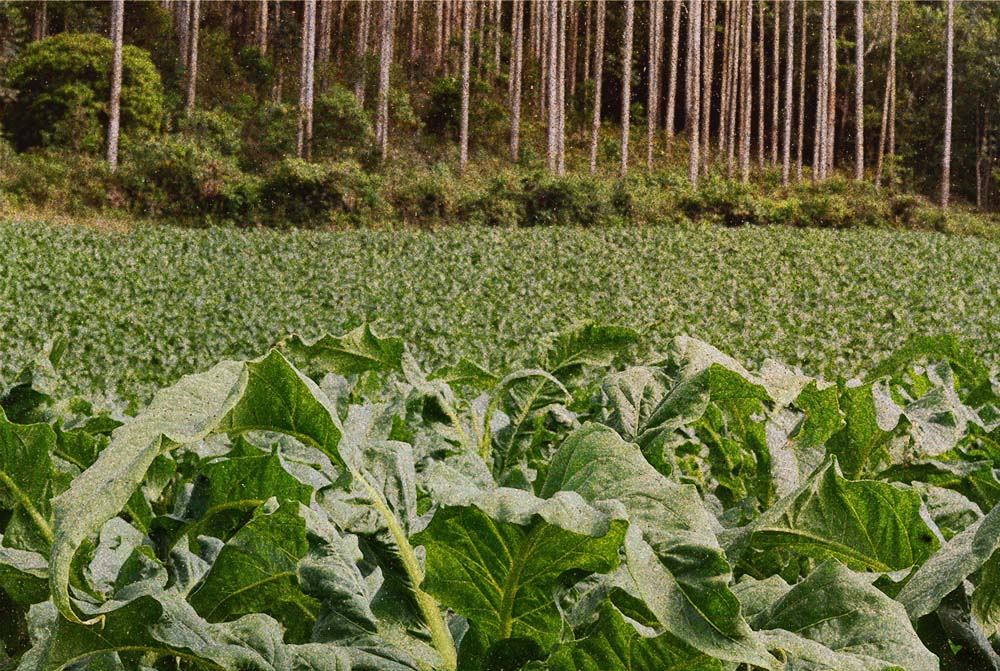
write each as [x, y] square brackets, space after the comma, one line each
[627, 80]
[516, 66]
[831, 100]
[40, 21]
[595, 128]
[262, 26]
[388, 8]
[746, 90]
[761, 69]
[888, 101]
[949, 77]
[859, 90]
[304, 140]
[114, 107]
[652, 94]
[361, 49]
[192, 71]
[708, 65]
[675, 40]
[786, 149]
[822, 75]
[182, 23]
[694, 145]
[728, 29]
[551, 81]
[562, 7]
[467, 9]
[775, 82]
[586, 40]
[801, 117]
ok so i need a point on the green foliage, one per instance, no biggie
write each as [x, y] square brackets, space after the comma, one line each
[63, 87]
[341, 128]
[186, 176]
[358, 517]
[444, 107]
[311, 194]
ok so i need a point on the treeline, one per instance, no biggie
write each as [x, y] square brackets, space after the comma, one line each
[742, 88]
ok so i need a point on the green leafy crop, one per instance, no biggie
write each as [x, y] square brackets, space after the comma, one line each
[332, 506]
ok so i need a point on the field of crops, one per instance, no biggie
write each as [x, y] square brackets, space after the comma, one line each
[144, 307]
[332, 505]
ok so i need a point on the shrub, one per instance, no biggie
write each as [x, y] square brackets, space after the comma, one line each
[54, 180]
[214, 129]
[499, 203]
[301, 193]
[269, 134]
[341, 127]
[63, 86]
[573, 200]
[179, 176]
[444, 108]
[426, 198]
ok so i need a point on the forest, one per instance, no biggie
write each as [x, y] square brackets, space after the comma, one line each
[504, 113]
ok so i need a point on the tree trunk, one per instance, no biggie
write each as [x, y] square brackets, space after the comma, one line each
[775, 81]
[361, 50]
[304, 140]
[859, 91]
[414, 42]
[627, 81]
[467, 9]
[563, 7]
[40, 24]
[439, 35]
[552, 80]
[831, 100]
[747, 95]
[708, 65]
[114, 116]
[727, 64]
[735, 73]
[516, 66]
[262, 26]
[573, 21]
[652, 95]
[889, 95]
[980, 136]
[694, 153]
[385, 64]
[822, 75]
[279, 79]
[675, 40]
[497, 36]
[800, 131]
[949, 75]
[341, 9]
[786, 153]
[182, 13]
[761, 69]
[192, 74]
[545, 8]
[586, 41]
[595, 128]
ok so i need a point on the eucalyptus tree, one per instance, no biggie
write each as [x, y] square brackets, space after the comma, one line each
[595, 127]
[114, 106]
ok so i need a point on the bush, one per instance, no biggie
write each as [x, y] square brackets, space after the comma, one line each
[269, 134]
[577, 201]
[54, 180]
[313, 194]
[426, 198]
[443, 116]
[179, 176]
[63, 86]
[341, 127]
[499, 203]
[213, 129]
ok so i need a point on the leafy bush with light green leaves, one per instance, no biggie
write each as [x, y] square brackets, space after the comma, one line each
[63, 86]
[332, 505]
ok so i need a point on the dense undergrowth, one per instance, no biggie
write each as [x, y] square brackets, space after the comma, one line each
[332, 505]
[186, 179]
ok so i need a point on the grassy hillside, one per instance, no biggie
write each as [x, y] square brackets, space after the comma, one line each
[144, 306]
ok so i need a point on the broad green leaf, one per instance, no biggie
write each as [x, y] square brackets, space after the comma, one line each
[970, 370]
[36, 386]
[841, 610]
[23, 575]
[230, 488]
[867, 525]
[465, 372]
[26, 483]
[945, 570]
[264, 394]
[612, 644]
[586, 344]
[357, 352]
[758, 595]
[986, 599]
[495, 557]
[858, 444]
[677, 565]
[256, 572]
[629, 397]
[803, 654]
